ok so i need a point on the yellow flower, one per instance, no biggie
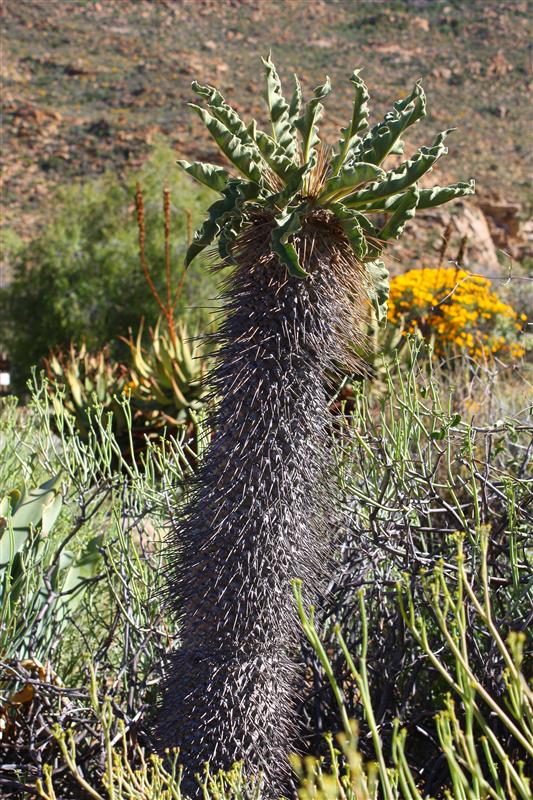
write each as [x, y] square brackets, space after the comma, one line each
[457, 308]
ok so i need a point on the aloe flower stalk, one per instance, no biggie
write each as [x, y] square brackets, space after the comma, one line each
[296, 224]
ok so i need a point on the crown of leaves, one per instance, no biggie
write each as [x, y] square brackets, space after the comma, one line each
[275, 173]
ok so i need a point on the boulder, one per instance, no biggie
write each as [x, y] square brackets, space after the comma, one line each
[471, 234]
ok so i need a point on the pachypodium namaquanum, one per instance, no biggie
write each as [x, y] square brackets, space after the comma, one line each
[298, 222]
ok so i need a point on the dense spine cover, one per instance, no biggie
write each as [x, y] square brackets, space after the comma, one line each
[258, 516]
[305, 228]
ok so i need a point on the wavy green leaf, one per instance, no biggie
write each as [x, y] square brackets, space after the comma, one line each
[274, 155]
[351, 226]
[306, 124]
[402, 214]
[227, 237]
[286, 225]
[293, 186]
[429, 198]
[295, 107]
[379, 289]
[400, 179]
[359, 121]
[240, 155]
[225, 114]
[347, 181]
[235, 194]
[210, 175]
[282, 129]
[383, 138]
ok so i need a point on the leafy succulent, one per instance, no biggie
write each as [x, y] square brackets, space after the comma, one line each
[47, 576]
[83, 379]
[167, 379]
[289, 173]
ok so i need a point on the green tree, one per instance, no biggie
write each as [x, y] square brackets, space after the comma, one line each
[304, 232]
[80, 278]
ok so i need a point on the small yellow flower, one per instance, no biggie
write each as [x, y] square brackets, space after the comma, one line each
[458, 308]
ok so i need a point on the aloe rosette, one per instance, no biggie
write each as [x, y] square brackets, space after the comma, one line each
[287, 173]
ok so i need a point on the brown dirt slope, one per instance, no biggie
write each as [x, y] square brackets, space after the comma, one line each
[89, 85]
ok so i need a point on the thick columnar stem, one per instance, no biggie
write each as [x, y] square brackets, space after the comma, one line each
[258, 515]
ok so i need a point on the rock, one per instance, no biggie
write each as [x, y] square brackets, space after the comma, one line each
[504, 220]
[100, 128]
[325, 44]
[421, 23]
[467, 220]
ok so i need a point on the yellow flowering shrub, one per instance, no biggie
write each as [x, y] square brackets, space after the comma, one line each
[454, 308]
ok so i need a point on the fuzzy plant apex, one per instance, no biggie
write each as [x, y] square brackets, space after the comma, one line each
[288, 173]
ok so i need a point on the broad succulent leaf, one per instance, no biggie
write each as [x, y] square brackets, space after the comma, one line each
[209, 174]
[382, 140]
[274, 155]
[225, 114]
[379, 289]
[227, 236]
[220, 212]
[404, 176]
[293, 186]
[240, 155]
[287, 224]
[401, 216]
[349, 179]
[429, 198]
[306, 124]
[282, 128]
[295, 107]
[359, 121]
[351, 226]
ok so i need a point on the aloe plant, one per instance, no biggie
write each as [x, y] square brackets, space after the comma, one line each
[79, 380]
[167, 379]
[298, 223]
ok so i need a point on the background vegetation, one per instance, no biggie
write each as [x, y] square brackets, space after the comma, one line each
[83, 628]
[80, 278]
[420, 658]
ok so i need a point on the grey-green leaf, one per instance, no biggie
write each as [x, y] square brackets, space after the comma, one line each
[210, 175]
[282, 129]
[379, 289]
[274, 155]
[349, 179]
[403, 213]
[359, 121]
[429, 198]
[240, 155]
[352, 228]
[234, 195]
[287, 224]
[400, 179]
[224, 113]
[383, 138]
[306, 124]
[295, 106]
[294, 184]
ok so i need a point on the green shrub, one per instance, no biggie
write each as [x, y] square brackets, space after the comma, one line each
[413, 473]
[80, 278]
[90, 583]
[418, 464]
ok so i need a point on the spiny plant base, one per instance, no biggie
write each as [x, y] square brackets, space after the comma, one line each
[296, 226]
[260, 514]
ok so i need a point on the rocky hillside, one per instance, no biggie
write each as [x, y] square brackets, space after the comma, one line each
[89, 86]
